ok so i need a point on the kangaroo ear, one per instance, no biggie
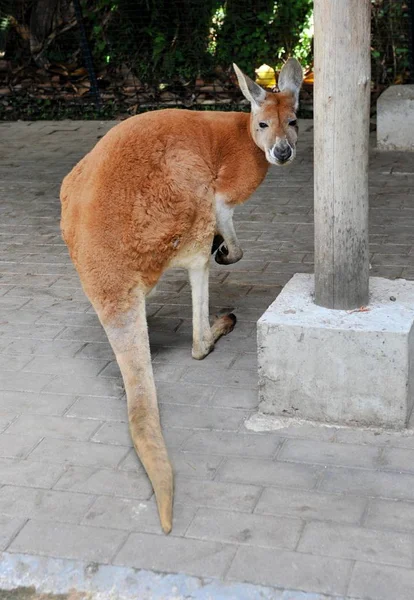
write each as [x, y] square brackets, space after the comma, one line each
[290, 78]
[251, 91]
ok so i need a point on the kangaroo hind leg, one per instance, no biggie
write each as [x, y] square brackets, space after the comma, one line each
[128, 335]
[205, 336]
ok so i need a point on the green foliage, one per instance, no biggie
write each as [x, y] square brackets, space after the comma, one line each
[159, 39]
[166, 45]
[390, 55]
[28, 108]
[263, 32]
[164, 40]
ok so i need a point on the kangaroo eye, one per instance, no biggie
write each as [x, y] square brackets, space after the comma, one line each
[263, 125]
[293, 123]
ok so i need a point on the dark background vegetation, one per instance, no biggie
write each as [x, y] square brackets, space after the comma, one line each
[152, 53]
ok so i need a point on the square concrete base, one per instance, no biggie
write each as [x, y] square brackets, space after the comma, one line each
[337, 366]
[395, 118]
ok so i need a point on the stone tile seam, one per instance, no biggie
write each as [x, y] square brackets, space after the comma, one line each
[32, 449]
[305, 521]
[44, 519]
[120, 546]
[315, 489]
[100, 426]
[360, 560]
[279, 448]
[252, 511]
[220, 454]
[16, 533]
[16, 417]
[382, 469]
[350, 576]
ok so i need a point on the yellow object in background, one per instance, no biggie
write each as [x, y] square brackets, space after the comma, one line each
[266, 76]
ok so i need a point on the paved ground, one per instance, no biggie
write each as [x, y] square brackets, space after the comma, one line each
[322, 510]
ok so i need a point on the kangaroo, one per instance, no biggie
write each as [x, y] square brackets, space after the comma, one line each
[158, 191]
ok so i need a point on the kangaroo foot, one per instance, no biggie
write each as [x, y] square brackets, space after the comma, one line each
[221, 326]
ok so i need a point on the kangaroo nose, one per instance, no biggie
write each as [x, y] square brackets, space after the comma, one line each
[282, 153]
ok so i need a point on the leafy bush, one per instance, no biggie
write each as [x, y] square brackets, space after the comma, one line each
[390, 53]
[159, 39]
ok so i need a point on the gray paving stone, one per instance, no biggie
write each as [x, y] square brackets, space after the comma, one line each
[311, 505]
[292, 570]
[78, 453]
[12, 363]
[29, 330]
[45, 505]
[58, 427]
[58, 305]
[248, 360]
[183, 393]
[376, 437]
[7, 302]
[356, 543]
[379, 582]
[227, 443]
[225, 377]
[80, 319]
[67, 541]
[9, 526]
[96, 350]
[369, 483]
[5, 419]
[85, 386]
[198, 466]
[83, 334]
[29, 474]
[175, 438]
[44, 404]
[99, 408]
[241, 528]
[48, 321]
[108, 482]
[171, 554]
[22, 317]
[234, 398]
[390, 514]
[182, 357]
[167, 373]
[54, 348]
[268, 472]
[216, 494]
[24, 382]
[398, 459]
[18, 446]
[329, 453]
[70, 366]
[194, 417]
[136, 515]
[113, 433]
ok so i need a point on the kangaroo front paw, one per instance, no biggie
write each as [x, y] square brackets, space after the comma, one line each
[223, 325]
[224, 256]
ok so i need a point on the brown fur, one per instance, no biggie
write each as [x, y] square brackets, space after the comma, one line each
[144, 200]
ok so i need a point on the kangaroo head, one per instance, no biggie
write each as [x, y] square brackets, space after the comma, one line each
[273, 115]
